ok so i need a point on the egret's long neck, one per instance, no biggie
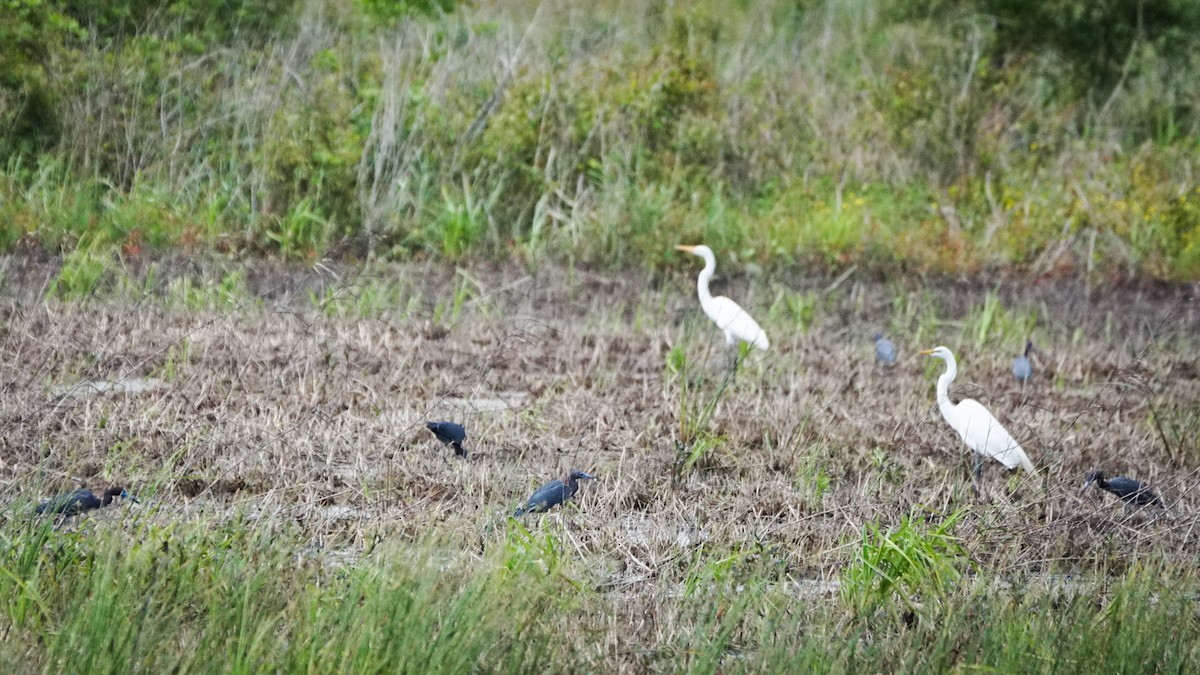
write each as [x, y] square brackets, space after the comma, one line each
[572, 486]
[710, 266]
[943, 386]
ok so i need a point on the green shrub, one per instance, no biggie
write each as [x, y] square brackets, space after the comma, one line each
[85, 272]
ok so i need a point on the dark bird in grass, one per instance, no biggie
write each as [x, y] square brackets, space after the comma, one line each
[450, 434]
[1129, 490]
[553, 493]
[885, 351]
[1022, 368]
[77, 501]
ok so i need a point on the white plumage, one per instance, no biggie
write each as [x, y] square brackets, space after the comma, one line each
[979, 429]
[729, 316]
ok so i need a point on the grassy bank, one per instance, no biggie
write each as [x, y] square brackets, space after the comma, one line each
[897, 136]
[246, 595]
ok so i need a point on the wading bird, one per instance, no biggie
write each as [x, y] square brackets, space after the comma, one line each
[77, 501]
[553, 493]
[978, 428]
[737, 325]
[450, 434]
[885, 351]
[1129, 490]
[1022, 368]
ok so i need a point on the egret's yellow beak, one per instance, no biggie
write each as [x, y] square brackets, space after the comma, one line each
[927, 352]
[685, 248]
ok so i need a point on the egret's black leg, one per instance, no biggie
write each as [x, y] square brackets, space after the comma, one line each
[977, 474]
[734, 362]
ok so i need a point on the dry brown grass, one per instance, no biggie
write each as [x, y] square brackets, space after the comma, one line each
[277, 407]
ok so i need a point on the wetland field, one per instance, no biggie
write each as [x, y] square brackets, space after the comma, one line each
[814, 513]
[248, 250]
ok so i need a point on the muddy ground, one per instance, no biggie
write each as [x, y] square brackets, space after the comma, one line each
[276, 405]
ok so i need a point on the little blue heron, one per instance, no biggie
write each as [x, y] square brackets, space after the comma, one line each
[1022, 368]
[77, 501]
[450, 434]
[1129, 490]
[553, 493]
[977, 427]
[885, 351]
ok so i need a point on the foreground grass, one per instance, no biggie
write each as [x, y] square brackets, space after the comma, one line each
[251, 596]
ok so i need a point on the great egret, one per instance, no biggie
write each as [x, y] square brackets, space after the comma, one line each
[77, 501]
[1129, 490]
[450, 434]
[553, 493]
[737, 325]
[1022, 368]
[885, 351]
[979, 429]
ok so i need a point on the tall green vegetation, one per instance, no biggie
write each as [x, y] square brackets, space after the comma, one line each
[242, 595]
[1054, 138]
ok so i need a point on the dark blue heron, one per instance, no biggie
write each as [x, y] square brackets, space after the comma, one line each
[77, 501]
[450, 434]
[885, 351]
[1129, 490]
[553, 493]
[1022, 368]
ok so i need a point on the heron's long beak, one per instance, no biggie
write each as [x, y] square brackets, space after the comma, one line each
[586, 475]
[125, 495]
[1086, 484]
[685, 248]
[927, 352]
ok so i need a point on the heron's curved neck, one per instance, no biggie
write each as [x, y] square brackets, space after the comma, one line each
[572, 486]
[943, 385]
[710, 266]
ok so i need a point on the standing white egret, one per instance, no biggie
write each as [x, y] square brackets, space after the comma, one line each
[980, 430]
[729, 316]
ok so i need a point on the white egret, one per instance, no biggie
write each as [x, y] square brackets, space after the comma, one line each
[979, 429]
[729, 316]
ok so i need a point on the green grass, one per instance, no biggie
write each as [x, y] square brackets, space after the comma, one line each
[364, 297]
[919, 141]
[240, 595]
[992, 324]
[912, 561]
[224, 294]
[86, 272]
[698, 399]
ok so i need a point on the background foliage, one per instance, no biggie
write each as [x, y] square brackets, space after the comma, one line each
[1046, 138]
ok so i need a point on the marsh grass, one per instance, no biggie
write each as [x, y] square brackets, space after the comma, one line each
[248, 594]
[122, 593]
[699, 396]
[311, 523]
[834, 135]
[911, 561]
[86, 271]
